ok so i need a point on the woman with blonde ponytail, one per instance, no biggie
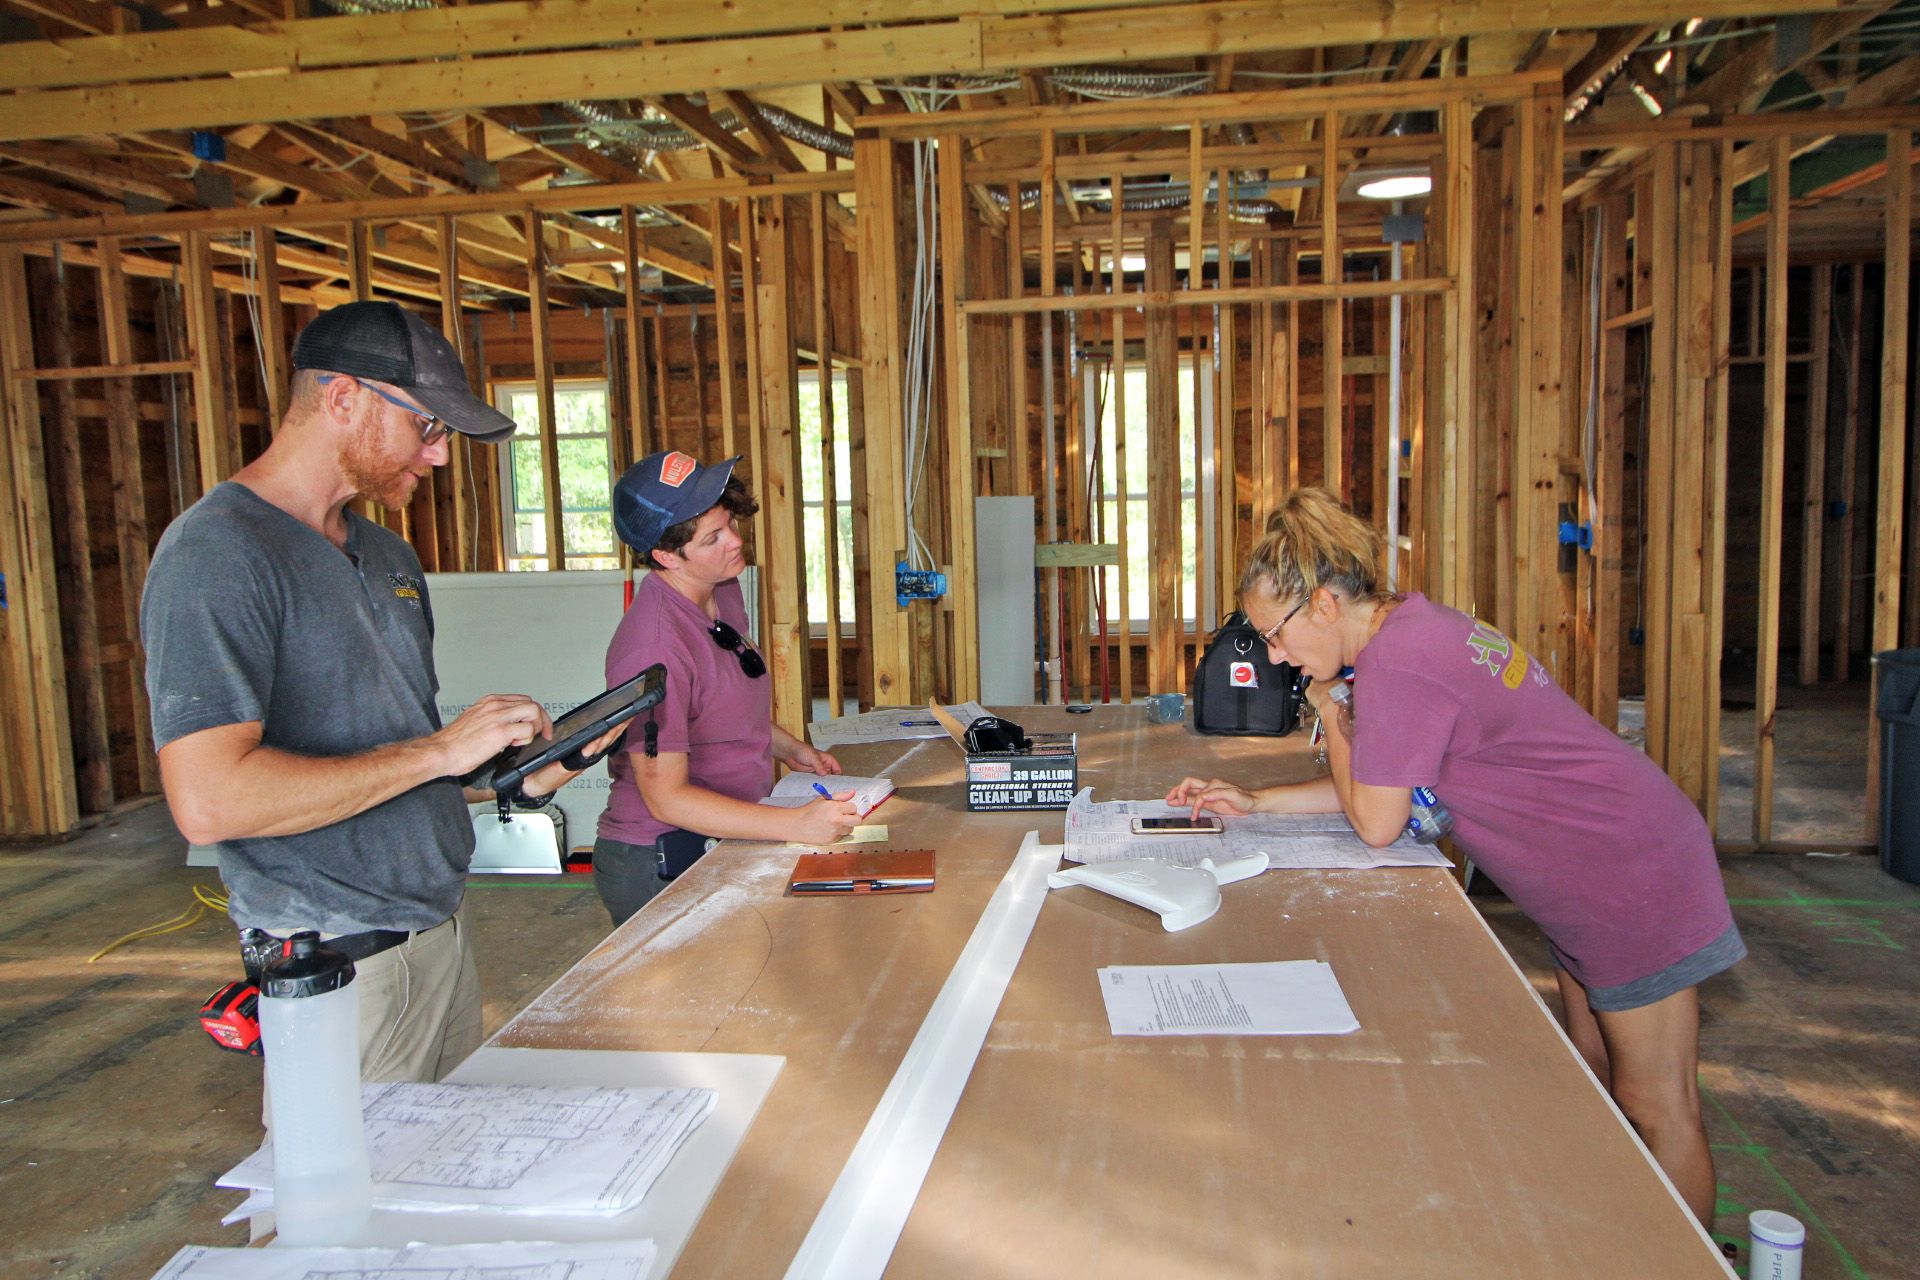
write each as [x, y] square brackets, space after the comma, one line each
[1583, 832]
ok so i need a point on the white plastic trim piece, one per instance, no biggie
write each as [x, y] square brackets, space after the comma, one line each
[853, 1236]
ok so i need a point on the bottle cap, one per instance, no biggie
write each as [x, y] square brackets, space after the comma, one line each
[305, 967]
[1781, 1230]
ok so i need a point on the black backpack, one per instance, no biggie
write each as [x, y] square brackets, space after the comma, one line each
[1237, 689]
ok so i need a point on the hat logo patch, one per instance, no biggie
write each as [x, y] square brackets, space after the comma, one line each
[675, 468]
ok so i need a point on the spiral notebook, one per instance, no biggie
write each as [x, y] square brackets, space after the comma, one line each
[797, 789]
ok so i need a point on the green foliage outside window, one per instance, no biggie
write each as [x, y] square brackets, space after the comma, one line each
[813, 488]
[586, 477]
[1139, 426]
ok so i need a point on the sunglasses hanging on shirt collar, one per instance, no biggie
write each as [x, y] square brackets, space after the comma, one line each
[750, 660]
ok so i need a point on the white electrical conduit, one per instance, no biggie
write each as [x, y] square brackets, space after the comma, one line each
[855, 1232]
[1392, 496]
[1056, 689]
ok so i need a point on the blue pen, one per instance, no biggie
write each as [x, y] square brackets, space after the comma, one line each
[824, 793]
[916, 724]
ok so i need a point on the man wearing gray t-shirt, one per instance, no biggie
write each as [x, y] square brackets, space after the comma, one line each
[290, 667]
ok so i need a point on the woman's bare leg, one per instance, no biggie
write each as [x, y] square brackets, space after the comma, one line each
[1653, 1056]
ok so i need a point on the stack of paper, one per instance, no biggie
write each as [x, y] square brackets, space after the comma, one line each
[513, 1148]
[887, 724]
[797, 789]
[1282, 998]
[1104, 832]
[614, 1260]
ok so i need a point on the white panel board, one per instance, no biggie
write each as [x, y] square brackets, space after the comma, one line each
[1003, 567]
[541, 634]
[544, 635]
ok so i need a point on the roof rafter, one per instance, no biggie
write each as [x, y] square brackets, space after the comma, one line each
[697, 120]
[772, 145]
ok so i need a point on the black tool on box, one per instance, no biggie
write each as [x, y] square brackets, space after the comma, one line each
[571, 733]
[991, 733]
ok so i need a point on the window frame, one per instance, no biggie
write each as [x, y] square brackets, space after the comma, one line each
[809, 393]
[1097, 367]
[500, 392]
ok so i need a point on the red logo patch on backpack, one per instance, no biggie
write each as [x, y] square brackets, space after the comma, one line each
[1241, 676]
[675, 468]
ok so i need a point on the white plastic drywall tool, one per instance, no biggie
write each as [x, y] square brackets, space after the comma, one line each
[1183, 896]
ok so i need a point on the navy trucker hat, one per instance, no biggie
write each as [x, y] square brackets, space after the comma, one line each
[660, 491]
[385, 342]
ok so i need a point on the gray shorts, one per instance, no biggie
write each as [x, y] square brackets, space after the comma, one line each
[1717, 956]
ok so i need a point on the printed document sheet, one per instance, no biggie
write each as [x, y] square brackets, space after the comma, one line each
[887, 724]
[1103, 832]
[1281, 998]
[614, 1260]
[518, 1148]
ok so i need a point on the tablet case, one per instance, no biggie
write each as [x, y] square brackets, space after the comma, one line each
[842, 874]
[503, 774]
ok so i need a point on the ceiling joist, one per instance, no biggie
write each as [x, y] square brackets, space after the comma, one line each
[296, 83]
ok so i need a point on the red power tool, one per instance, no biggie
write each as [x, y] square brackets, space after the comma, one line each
[231, 1017]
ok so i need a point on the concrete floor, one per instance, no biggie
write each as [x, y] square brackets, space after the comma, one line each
[1820, 774]
[116, 1111]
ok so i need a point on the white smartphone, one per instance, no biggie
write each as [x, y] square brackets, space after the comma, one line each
[1180, 825]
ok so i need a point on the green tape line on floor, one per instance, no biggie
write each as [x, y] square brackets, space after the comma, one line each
[1800, 1206]
[1874, 903]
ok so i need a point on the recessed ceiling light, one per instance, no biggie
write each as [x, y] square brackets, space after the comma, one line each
[1401, 186]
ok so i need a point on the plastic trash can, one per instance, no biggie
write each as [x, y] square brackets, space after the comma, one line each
[1898, 706]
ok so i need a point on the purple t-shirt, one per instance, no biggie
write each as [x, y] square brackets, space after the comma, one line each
[1583, 832]
[713, 714]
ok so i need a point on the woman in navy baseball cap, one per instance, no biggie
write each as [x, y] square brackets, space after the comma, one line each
[713, 740]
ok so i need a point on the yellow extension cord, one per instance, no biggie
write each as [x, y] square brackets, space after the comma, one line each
[203, 898]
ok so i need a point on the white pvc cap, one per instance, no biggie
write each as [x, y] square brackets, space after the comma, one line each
[1782, 1230]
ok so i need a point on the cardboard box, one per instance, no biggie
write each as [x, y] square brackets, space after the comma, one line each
[1043, 777]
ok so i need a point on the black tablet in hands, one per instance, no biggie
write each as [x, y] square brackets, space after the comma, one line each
[575, 730]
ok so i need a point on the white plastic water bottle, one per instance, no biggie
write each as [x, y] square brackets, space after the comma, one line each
[1776, 1242]
[310, 1025]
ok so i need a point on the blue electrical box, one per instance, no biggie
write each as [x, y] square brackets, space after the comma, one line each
[208, 145]
[917, 584]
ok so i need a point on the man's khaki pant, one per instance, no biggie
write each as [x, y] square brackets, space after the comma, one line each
[419, 1006]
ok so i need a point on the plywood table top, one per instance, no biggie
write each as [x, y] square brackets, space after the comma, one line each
[1455, 1134]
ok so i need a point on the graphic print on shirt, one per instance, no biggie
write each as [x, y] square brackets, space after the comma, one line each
[1502, 657]
[405, 587]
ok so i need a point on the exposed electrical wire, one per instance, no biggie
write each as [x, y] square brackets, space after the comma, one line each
[919, 365]
[250, 268]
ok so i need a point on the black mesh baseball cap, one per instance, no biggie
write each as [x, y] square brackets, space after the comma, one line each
[385, 342]
[662, 490]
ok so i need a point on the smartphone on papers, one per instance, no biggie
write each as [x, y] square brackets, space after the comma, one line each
[1179, 825]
